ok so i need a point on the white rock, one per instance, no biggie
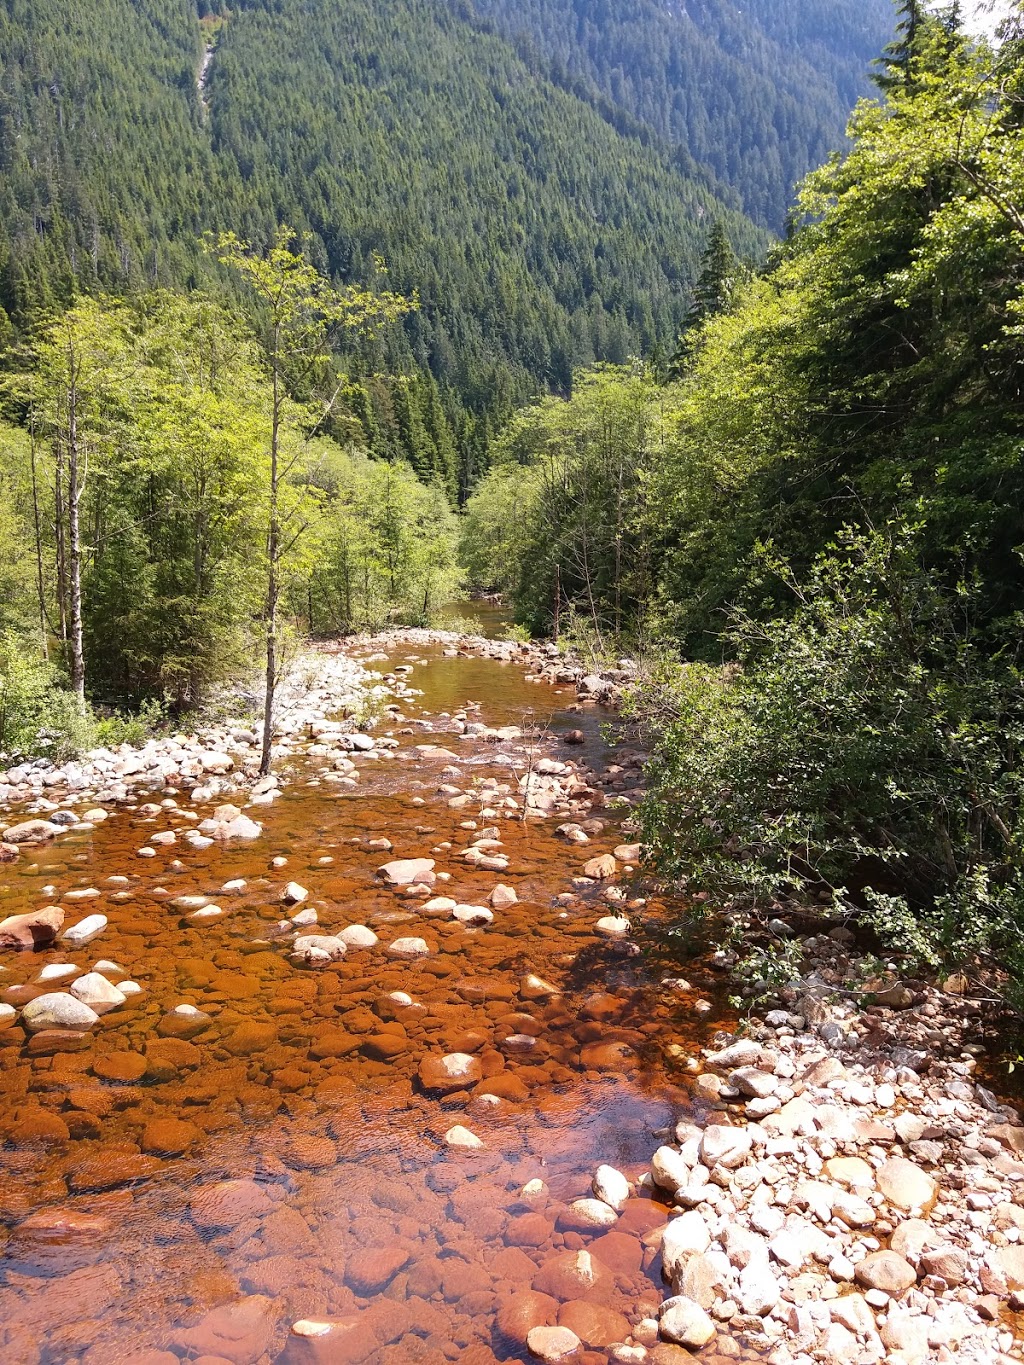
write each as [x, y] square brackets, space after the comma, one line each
[54, 971]
[409, 948]
[85, 930]
[359, 936]
[57, 1010]
[682, 1237]
[462, 1139]
[318, 949]
[473, 914]
[611, 1186]
[294, 894]
[94, 990]
[758, 1291]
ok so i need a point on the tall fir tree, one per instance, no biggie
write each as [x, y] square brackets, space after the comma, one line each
[711, 294]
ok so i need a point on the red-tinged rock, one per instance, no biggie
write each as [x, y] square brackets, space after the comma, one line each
[573, 1275]
[38, 1126]
[250, 1037]
[529, 1230]
[618, 1250]
[8, 852]
[167, 1058]
[382, 1047]
[111, 1169]
[126, 1067]
[309, 1153]
[226, 1203]
[333, 1042]
[593, 1323]
[506, 1086]
[36, 929]
[513, 1265]
[52, 1241]
[238, 1332]
[83, 1295]
[169, 1136]
[372, 1268]
[519, 1313]
[455, 1071]
[330, 1341]
[607, 1056]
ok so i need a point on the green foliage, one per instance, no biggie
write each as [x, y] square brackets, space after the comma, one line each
[868, 743]
[561, 521]
[542, 231]
[759, 92]
[388, 551]
[38, 716]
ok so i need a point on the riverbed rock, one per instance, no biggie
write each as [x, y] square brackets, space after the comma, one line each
[724, 1146]
[904, 1184]
[57, 1010]
[453, 1071]
[612, 1187]
[84, 931]
[32, 832]
[408, 872]
[318, 950]
[94, 990]
[887, 1271]
[553, 1343]
[409, 948]
[238, 1332]
[35, 929]
[687, 1324]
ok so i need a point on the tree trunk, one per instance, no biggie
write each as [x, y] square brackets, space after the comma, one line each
[43, 623]
[59, 533]
[273, 589]
[75, 551]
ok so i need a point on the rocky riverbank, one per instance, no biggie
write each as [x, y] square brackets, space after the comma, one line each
[834, 1182]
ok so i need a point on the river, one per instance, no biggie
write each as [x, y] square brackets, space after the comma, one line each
[190, 1186]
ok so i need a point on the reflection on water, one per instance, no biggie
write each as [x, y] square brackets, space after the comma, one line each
[193, 1184]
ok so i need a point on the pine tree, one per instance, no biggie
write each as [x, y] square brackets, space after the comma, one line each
[710, 294]
[895, 64]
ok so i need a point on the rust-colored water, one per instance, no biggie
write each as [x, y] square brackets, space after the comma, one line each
[303, 1084]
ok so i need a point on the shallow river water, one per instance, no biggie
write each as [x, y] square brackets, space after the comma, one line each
[173, 1192]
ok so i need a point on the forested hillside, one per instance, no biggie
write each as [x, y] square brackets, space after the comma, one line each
[826, 498]
[759, 92]
[538, 236]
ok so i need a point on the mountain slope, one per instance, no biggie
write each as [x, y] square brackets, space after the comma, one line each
[544, 224]
[760, 93]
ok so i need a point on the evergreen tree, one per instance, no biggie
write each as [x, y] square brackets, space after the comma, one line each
[710, 295]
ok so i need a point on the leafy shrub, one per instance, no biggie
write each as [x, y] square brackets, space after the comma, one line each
[37, 715]
[868, 744]
[131, 727]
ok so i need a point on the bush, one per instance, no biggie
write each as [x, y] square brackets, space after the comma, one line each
[869, 745]
[37, 715]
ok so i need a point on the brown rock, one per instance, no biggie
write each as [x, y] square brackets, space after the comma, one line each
[52, 1241]
[521, 1312]
[120, 1066]
[445, 1074]
[8, 852]
[111, 1169]
[226, 1203]
[886, 1271]
[239, 1332]
[529, 1230]
[607, 1056]
[251, 1037]
[593, 1323]
[169, 1136]
[36, 929]
[369, 1270]
[601, 867]
[38, 1126]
